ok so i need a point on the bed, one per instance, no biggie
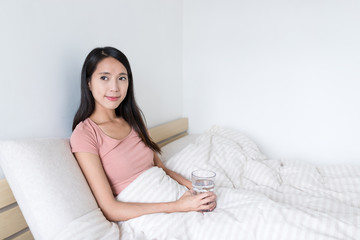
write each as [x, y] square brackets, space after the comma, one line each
[258, 197]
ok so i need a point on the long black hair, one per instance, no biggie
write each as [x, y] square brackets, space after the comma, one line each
[128, 108]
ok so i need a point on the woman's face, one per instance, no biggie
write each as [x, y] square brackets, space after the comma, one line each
[109, 84]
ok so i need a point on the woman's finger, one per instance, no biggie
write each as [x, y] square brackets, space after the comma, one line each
[207, 201]
[213, 206]
[205, 195]
[208, 207]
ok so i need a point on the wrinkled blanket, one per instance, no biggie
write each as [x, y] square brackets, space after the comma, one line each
[257, 198]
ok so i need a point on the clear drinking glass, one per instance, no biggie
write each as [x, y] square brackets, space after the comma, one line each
[203, 181]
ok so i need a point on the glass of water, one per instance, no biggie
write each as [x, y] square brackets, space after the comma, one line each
[203, 181]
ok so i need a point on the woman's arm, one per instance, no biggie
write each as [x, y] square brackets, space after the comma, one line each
[115, 210]
[180, 179]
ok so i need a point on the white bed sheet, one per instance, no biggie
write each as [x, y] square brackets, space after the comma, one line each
[258, 198]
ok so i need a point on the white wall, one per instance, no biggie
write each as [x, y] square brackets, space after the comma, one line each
[286, 73]
[44, 43]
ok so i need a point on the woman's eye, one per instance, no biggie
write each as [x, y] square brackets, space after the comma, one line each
[103, 78]
[122, 78]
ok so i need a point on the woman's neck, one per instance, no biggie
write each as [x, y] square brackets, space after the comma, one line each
[100, 117]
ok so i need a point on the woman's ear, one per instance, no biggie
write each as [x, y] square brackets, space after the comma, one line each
[89, 85]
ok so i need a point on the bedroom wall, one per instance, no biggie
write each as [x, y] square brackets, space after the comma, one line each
[286, 73]
[44, 43]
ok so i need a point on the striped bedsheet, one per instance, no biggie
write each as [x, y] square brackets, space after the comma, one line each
[258, 198]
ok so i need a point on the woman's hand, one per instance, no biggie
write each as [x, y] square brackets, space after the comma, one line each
[199, 202]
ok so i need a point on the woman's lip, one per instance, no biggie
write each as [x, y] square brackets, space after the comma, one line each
[112, 98]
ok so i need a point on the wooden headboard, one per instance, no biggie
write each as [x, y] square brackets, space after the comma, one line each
[168, 132]
[12, 223]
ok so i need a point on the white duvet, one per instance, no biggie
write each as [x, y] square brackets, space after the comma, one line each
[257, 198]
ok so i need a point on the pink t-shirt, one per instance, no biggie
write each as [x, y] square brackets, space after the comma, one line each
[123, 160]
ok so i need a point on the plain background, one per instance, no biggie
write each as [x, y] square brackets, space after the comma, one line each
[286, 73]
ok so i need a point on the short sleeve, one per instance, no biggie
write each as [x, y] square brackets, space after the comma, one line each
[83, 139]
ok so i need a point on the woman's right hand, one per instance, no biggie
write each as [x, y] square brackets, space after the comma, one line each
[196, 202]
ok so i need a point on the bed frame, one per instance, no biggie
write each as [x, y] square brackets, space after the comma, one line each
[12, 223]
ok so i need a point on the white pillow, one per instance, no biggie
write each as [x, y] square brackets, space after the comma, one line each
[51, 190]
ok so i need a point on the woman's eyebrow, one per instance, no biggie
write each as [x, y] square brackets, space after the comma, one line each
[107, 73]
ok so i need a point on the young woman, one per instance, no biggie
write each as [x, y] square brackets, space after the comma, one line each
[111, 143]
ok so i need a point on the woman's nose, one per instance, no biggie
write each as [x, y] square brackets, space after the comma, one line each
[114, 86]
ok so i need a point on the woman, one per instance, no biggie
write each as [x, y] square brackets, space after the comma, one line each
[111, 143]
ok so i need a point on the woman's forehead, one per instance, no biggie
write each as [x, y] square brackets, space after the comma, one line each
[110, 65]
